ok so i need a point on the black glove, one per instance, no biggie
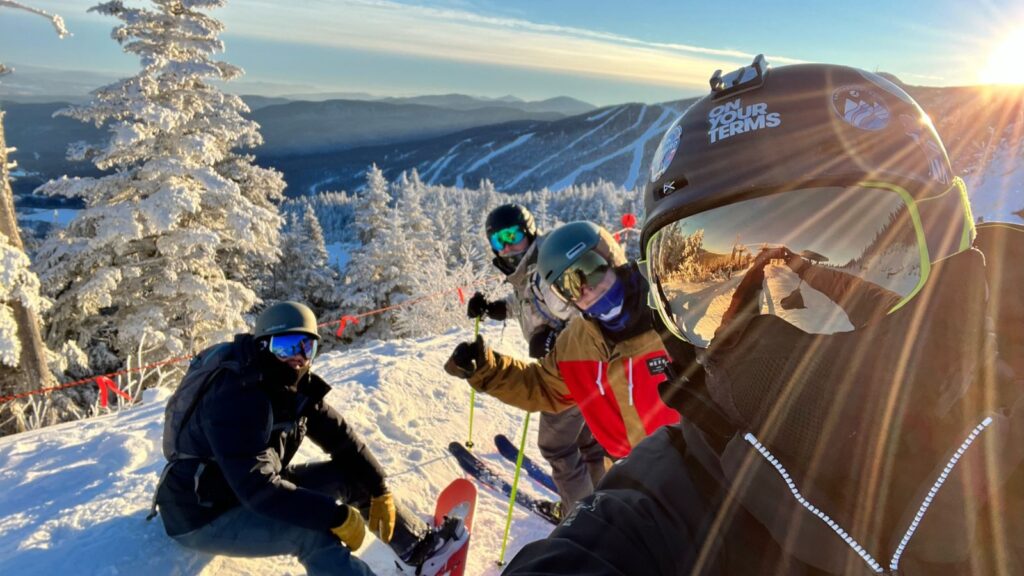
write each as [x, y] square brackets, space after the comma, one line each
[478, 306]
[466, 358]
[542, 342]
[497, 310]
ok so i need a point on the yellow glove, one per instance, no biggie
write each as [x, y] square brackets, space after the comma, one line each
[352, 530]
[382, 516]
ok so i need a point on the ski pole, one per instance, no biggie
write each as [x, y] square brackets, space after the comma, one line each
[515, 487]
[472, 392]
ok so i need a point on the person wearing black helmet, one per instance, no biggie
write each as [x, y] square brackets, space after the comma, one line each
[608, 361]
[845, 406]
[231, 430]
[577, 460]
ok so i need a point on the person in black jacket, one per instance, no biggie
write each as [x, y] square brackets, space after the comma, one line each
[846, 405]
[236, 492]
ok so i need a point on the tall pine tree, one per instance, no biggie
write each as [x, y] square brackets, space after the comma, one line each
[176, 241]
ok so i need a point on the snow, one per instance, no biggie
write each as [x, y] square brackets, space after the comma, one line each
[73, 497]
[636, 148]
[435, 168]
[998, 191]
[618, 110]
[515, 143]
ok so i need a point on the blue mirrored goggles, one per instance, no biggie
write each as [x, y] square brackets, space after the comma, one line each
[507, 237]
[286, 346]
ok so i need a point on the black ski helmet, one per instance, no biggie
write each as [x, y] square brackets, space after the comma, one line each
[766, 130]
[285, 317]
[508, 215]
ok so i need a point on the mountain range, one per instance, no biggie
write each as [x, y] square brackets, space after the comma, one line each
[459, 140]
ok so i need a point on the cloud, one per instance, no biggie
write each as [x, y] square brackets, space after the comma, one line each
[386, 26]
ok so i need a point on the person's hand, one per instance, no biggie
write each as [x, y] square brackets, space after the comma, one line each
[466, 358]
[352, 530]
[382, 516]
[477, 306]
[497, 310]
[768, 254]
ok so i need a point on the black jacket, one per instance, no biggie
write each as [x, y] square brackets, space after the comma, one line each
[247, 427]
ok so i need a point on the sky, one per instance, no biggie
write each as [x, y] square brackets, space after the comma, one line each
[599, 51]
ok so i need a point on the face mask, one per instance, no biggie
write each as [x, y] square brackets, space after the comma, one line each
[871, 407]
[608, 309]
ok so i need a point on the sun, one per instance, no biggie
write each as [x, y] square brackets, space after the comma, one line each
[1004, 64]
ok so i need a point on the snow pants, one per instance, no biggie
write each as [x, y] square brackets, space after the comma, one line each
[243, 532]
[577, 461]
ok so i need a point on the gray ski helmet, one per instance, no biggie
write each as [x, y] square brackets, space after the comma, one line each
[563, 246]
[508, 215]
[762, 131]
[285, 317]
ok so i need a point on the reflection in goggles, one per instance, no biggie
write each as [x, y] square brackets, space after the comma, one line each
[288, 345]
[825, 259]
[506, 237]
[587, 271]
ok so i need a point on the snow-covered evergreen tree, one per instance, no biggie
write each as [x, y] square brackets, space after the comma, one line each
[371, 210]
[17, 284]
[303, 274]
[180, 236]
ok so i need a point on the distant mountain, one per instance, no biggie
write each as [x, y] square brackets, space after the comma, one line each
[613, 144]
[256, 102]
[982, 127]
[561, 104]
[303, 127]
[288, 128]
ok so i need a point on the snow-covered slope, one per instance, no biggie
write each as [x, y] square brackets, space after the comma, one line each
[73, 497]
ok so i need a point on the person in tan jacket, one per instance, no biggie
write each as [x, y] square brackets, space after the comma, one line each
[608, 361]
[578, 461]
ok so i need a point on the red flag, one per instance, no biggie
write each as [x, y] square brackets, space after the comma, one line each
[462, 297]
[344, 322]
[107, 385]
[628, 220]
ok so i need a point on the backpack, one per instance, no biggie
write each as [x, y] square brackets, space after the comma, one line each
[202, 370]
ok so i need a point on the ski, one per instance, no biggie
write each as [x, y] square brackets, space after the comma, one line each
[509, 450]
[487, 476]
[458, 500]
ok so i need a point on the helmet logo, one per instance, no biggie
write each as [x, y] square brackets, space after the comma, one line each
[732, 118]
[666, 151]
[860, 107]
[575, 251]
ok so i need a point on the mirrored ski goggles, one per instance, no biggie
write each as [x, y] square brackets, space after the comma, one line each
[826, 260]
[286, 346]
[587, 271]
[507, 237]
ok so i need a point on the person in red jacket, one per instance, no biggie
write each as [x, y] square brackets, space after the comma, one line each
[608, 361]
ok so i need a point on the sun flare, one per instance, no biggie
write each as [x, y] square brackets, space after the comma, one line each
[1006, 62]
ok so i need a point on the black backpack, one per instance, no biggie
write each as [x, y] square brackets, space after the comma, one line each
[202, 370]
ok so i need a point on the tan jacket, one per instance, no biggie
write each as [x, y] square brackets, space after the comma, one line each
[615, 385]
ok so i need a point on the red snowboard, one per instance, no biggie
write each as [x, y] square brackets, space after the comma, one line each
[458, 500]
